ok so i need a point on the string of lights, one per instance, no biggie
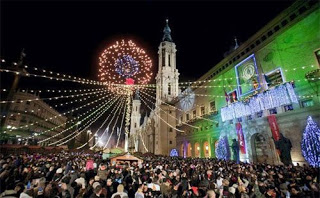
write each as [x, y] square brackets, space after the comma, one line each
[62, 77]
[89, 123]
[166, 111]
[32, 111]
[121, 125]
[226, 79]
[53, 98]
[76, 118]
[159, 116]
[115, 123]
[220, 96]
[53, 90]
[91, 110]
[63, 124]
[69, 111]
[113, 112]
[82, 130]
[198, 117]
[95, 134]
[144, 145]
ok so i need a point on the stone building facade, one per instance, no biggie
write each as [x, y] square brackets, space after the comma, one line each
[282, 54]
[31, 117]
[275, 62]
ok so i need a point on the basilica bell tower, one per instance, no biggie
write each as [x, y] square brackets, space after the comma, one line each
[168, 75]
[167, 89]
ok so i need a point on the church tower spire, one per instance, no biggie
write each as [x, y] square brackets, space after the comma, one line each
[167, 32]
[168, 75]
[167, 89]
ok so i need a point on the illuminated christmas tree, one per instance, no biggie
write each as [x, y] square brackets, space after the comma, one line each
[222, 151]
[310, 144]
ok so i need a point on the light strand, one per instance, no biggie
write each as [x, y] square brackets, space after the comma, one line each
[98, 115]
[97, 107]
[113, 112]
[113, 126]
[70, 111]
[159, 116]
[68, 79]
[53, 90]
[96, 133]
[198, 117]
[52, 98]
[119, 135]
[167, 112]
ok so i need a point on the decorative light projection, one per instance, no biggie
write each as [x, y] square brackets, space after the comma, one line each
[247, 76]
[187, 99]
[124, 63]
[278, 96]
[174, 153]
[310, 144]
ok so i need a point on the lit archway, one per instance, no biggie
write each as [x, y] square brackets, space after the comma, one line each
[206, 148]
[182, 150]
[197, 149]
[189, 150]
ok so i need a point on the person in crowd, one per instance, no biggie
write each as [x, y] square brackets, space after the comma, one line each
[81, 175]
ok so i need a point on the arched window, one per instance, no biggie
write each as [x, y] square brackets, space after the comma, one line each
[169, 60]
[163, 57]
[169, 89]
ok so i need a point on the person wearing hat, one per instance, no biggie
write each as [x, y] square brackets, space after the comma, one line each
[58, 176]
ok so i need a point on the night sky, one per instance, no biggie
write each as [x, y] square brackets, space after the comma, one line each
[68, 37]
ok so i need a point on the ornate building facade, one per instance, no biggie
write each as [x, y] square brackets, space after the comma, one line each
[262, 90]
[157, 133]
[265, 88]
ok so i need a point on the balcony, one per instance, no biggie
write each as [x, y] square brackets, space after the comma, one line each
[273, 98]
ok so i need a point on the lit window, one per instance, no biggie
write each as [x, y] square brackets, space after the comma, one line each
[163, 57]
[288, 108]
[232, 96]
[274, 78]
[307, 103]
[202, 110]
[212, 106]
[273, 111]
[169, 89]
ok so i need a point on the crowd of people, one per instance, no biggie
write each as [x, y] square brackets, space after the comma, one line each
[76, 175]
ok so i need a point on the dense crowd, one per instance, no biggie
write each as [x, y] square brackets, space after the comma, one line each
[72, 175]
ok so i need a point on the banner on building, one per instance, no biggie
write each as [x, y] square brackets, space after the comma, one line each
[274, 127]
[241, 140]
[247, 76]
